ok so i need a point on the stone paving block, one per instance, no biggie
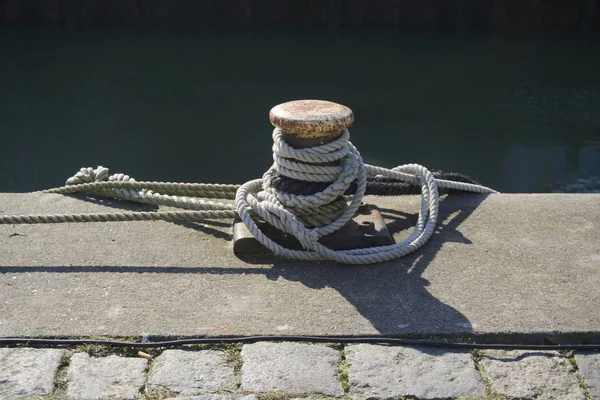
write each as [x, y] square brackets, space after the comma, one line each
[97, 378]
[531, 375]
[217, 397]
[26, 372]
[381, 372]
[589, 368]
[191, 372]
[291, 368]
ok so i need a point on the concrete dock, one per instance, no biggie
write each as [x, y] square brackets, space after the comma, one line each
[509, 267]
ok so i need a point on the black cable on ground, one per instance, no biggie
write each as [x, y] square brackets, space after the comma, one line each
[375, 185]
[310, 339]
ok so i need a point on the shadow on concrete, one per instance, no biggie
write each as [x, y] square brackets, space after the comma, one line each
[113, 203]
[392, 296]
[204, 226]
[209, 227]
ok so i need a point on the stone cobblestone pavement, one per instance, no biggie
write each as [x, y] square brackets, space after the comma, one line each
[270, 371]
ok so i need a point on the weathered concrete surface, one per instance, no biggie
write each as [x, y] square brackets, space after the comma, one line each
[524, 264]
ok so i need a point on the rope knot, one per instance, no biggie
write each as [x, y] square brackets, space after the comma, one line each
[89, 175]
[128, 193]
[100, 174]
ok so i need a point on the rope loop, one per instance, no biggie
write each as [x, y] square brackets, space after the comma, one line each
[97, 181]
[87, 175]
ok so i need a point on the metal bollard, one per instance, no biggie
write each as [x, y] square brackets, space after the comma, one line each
[309, 123]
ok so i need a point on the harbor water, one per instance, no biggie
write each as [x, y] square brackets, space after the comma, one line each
[517, 114]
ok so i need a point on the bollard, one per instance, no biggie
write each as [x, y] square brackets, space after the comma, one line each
[309, 123]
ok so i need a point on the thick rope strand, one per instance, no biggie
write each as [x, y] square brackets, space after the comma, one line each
[215, 191]
[114, 217]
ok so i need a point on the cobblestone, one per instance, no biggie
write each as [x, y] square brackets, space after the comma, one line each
[291, 368]
[531, 375]
[191, 372]
[26, 372]
[589, 368]
[294, 370]
[217, 397]
[97, 378]
[381, 372]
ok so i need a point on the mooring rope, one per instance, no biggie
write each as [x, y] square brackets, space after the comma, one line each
[275, 206]
[335, 167]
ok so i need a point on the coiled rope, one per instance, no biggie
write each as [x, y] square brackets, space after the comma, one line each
[335, 168]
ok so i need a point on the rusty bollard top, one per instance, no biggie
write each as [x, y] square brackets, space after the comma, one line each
[306, 123]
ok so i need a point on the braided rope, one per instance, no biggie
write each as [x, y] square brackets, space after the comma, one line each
[273, 205]
[114, 217]
[214, 191]
[335, 166]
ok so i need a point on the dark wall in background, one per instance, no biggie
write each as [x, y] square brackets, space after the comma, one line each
[430, 15]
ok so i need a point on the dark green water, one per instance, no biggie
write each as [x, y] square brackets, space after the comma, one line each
[520, 115]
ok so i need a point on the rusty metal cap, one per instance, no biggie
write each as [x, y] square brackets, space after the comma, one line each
[311, 118]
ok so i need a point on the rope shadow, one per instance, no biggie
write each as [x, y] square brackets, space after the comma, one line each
[203, 226]
[113, 203]
[199, 226]
[127, 269]
[393, 295]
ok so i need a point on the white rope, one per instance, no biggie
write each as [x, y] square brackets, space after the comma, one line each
[306, 217]
[116, 217]
[272, 205]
